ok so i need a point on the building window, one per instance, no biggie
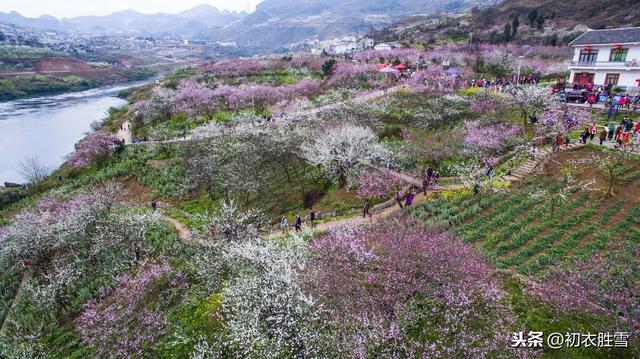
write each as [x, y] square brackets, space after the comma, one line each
[588, 55]
[618, 55]
[611, 79]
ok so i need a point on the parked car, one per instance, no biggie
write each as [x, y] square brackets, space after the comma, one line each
[576, 96]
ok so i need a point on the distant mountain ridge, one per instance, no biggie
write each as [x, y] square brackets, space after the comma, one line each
[186, 23]
[276, 23]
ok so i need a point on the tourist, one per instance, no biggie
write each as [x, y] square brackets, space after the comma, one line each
[566, 140]
[593, 131]
[592, 100]
[557, 143]
[154, 204]
[603, 136]
[365, 210]
[436, 178]
[533, 152]
[612, 130]
[213, 232]
[298, 223]
[629, 127]
[489, 171]
[312, 218]
[618, 132]
[409, 200]
[584, 135]
[284, 224]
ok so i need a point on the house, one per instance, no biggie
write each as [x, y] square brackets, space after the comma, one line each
[382, 47]
[609, 56]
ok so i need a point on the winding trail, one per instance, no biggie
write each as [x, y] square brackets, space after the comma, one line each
[389, 208]
[183, 231]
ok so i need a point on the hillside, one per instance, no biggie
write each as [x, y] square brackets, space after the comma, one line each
[539, 22]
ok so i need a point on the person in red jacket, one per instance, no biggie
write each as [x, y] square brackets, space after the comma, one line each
[592, 99]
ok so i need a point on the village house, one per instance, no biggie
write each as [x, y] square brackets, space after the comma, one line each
[610, 56]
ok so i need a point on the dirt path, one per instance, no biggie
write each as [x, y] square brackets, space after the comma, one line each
[183, 232]
[376, 217]
[519, 173]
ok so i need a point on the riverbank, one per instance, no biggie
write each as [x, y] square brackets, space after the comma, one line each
[47, 127]
[33, 85]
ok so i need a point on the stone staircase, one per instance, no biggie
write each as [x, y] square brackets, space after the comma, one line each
[531, 165]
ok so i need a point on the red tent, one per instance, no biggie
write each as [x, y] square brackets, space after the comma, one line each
[400, 67]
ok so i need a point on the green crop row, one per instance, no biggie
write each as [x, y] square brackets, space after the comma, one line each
[604, 236]
[548, 240]
[503, 217]
[571, 241]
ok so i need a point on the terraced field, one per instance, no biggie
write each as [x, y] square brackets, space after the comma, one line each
[515, 230]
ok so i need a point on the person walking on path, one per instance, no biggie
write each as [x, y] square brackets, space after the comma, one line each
[365, 210]
[593, 131]
[603, 136]
[558, 143]
[618, 132]
[489, 171]
[409, 200]
[284, 224]
[154, 204]
[312, 218]
[566, 140]
[533, 152]
[298, 223]
[612, 131]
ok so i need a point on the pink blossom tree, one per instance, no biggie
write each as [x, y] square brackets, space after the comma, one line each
[93, 149]
[487, 140]
[194, 99]
[378, 185]
[122, 324]
[377, 281]
[560, 117]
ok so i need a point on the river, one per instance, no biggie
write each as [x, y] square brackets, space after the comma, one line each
[47, 127]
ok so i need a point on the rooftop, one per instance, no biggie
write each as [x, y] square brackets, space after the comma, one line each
[608, 36]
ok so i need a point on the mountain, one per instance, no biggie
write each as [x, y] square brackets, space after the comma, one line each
[276, 23]
[43, 23]
[187, 23]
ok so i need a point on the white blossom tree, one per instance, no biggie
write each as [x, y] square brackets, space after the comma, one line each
[266, 313]
[341, 152]
[530, 100]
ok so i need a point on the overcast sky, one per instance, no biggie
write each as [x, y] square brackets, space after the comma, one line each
[71, 8]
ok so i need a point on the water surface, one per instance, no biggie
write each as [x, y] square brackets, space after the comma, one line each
[48, 127]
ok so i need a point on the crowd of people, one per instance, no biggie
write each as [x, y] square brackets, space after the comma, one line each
[591, 94]
[502, 84]
[623, 134]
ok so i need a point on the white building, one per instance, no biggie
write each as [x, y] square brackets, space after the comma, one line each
[610, 56]
[382, 47]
